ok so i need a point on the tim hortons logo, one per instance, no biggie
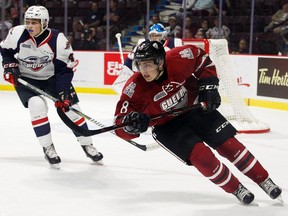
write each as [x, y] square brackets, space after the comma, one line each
[276, 79]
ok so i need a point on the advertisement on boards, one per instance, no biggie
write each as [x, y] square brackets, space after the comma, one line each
[272, 78]
[112, 67]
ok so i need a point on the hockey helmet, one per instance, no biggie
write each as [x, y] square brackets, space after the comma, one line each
[159, 30]
[38, 12]
[149, 50]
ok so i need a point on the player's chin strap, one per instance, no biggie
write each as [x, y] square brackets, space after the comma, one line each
[80, 130]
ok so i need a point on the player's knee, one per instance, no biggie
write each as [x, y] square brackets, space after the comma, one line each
[201, 154]
[77, 119]
[72, 115]
[37, 106]
[231, 148]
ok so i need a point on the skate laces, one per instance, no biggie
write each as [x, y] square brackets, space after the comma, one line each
[268, 186]
[241, 192]
[91, 150]
[50, 152]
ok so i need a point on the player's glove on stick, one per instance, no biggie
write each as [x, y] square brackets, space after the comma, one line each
[139, 122]
[64, 100]
[11, 73]
[208, 93]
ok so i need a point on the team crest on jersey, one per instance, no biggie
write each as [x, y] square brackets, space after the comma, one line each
[186, 53]
[177, 100]
[166, 89]
[159, 95]
[130, 89]
[35, 63]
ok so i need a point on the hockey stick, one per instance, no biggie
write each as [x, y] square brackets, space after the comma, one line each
[85, 132]
[39, 91]
[124, 74]
[118, 36]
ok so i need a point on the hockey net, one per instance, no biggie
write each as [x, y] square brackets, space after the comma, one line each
[233, 105]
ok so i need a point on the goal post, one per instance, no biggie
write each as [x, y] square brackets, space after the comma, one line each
[233, 105]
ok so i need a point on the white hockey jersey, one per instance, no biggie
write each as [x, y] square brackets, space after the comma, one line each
[39, 58]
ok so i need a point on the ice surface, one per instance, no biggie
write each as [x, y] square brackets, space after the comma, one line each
[132, 182]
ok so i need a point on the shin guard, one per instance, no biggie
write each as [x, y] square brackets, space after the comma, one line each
[243, 159]
[80, 121]
[205, 161]
[39, 119]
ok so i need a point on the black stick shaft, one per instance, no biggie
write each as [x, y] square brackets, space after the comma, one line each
[77, 128]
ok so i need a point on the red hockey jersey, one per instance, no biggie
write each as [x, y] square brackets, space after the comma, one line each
[177, 88]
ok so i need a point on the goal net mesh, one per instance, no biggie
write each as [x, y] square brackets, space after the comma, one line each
[233, 105]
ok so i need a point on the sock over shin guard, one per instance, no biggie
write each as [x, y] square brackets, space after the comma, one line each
[38, 112]
[80, 121]
[205, 161]
[243, 159]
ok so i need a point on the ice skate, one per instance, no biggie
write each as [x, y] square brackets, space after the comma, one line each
[52, 157]
[244, 195]
[93, 154]
[273, 190]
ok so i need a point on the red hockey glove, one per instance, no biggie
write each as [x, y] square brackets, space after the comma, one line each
[208, 93]
[11, 73]
[64, 101]
[139, 122]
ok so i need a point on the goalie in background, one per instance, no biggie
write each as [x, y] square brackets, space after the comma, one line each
[158, 33]
[44, 58]
[180, 78]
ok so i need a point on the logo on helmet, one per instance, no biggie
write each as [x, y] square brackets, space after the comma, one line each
[155, 45]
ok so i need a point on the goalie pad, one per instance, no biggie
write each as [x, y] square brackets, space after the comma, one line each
[122, 78]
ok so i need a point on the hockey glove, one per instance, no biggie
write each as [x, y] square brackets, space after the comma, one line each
[208, 93]
[139, 122]
[64, 100]
[11, 73]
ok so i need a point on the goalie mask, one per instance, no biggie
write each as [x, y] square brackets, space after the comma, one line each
[149, 50]
[40, 13]
[159, 30]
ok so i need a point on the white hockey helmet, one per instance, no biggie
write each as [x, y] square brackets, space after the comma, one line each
[158, 29]
[38, 12]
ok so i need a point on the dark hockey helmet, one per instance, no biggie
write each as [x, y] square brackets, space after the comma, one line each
[149, 50]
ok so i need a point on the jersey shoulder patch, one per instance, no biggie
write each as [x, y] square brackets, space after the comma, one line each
[130, 86]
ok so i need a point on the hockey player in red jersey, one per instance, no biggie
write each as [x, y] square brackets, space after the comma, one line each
[181, 78]
[156, 32]
[44, 58]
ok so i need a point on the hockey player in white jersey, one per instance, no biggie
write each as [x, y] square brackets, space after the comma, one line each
[44, 58]
[156, 32]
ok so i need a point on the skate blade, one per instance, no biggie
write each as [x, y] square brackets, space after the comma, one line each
[279, 198]
[99, 163]
[55, 166]
[253, 203]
